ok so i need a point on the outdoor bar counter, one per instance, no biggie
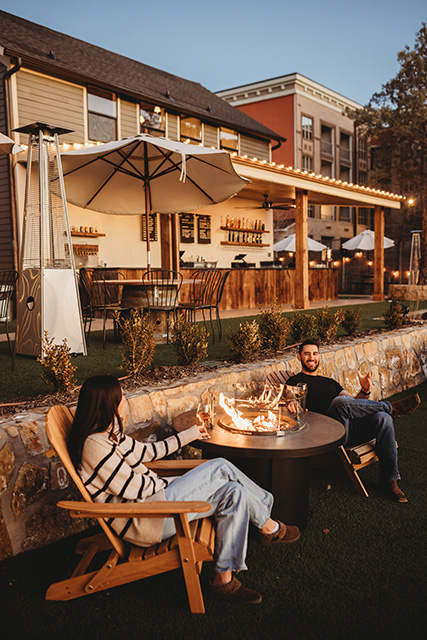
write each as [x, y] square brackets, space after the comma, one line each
[252, 288]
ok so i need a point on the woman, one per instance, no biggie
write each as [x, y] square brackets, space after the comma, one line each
[112, 468]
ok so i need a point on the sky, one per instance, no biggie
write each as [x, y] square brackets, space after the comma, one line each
[349, 47]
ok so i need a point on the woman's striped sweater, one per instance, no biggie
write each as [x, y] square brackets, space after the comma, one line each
[115, 472]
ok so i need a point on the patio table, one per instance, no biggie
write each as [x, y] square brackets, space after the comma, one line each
[280, 464]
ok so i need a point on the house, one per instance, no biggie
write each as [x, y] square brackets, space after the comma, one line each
[99, 95]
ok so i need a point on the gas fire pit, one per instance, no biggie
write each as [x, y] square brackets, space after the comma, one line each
[279, 464]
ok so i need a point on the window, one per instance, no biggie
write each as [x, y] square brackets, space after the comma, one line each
[345, 174]
[307, 128]
[362, 177]
[326, 169]
[345, 147]
[363, 216]
[307, 163]
[362, 148]
[191, 130]
[310, 211]
[229, 139]
[102, 115]
[151, 119]
[345, 214]
[327, 140]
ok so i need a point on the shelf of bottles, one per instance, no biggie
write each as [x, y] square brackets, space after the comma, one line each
[244, 231]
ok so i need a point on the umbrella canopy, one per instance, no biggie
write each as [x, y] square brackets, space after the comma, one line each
[288, 244]
[365, 241]
[146, 174]
[7, 145]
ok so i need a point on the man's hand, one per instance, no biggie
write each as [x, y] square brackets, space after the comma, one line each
[365, 382]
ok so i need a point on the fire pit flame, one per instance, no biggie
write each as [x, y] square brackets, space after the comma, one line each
[263, 422]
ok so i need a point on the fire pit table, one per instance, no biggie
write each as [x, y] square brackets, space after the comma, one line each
[279, 464]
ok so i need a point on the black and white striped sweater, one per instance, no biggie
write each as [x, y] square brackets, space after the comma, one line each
[115, 472]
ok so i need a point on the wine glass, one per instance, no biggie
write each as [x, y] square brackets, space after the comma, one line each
[204, 412]
[301, 395]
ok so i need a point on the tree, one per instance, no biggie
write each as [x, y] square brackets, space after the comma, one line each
[395, 121]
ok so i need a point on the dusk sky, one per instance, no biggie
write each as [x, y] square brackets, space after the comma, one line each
[348, 47]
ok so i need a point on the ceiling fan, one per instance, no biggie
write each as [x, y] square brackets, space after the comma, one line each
[267, 204]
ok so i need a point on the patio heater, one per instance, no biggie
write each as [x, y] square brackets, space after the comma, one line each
[48, 297]
[414, 261]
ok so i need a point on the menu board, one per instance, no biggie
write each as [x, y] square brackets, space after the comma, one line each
[153, 227]
[186, 227]
[203, 229]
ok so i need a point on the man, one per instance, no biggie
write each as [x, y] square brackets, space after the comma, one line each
[364, 419]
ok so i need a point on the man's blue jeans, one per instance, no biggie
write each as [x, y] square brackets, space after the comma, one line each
[365, 420]
[236, 500]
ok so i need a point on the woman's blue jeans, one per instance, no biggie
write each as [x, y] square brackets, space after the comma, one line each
[236, 500]
[365, 420]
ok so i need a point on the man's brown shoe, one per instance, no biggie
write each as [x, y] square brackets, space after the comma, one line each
[234, 590]
[405, 406]
[285, 533]
[393, 491]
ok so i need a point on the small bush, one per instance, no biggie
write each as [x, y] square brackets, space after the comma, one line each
[137, 335]
[190, 341]
[303, 326]
[57, 370]
[273, 328]
[394, 318]
[352, 321]
[246, 341]
[327, 322]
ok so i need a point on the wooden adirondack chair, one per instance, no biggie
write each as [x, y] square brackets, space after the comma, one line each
[353, 458]
[188, 549]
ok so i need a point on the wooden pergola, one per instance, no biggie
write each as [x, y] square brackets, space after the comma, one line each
[301, 188]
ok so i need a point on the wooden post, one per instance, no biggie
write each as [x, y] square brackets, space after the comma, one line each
[379, 253]
[301, 295]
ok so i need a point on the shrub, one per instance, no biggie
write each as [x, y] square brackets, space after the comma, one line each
[273, 328]
[327, 322]
[352, 321]
[246, 341]
[303, 326]
[57, 370]
[394, 318]
[137, 335]
[190, 341]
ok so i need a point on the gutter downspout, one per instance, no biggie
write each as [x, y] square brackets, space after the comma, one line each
[14, 69]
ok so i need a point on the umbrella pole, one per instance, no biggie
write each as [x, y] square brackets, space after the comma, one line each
[147, 204]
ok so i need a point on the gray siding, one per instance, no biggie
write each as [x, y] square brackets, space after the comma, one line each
[210, 136]
[252, 148]
[6, 232]
[172, 126]
[44, 99]
[129, 125]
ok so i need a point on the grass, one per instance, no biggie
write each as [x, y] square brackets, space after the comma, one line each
[25, 381]
[358, 573]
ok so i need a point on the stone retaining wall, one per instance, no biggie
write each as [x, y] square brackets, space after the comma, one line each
[31, 483]
[408, 291]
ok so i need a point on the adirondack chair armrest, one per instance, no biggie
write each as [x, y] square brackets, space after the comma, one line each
[173, 467]
[160, 509]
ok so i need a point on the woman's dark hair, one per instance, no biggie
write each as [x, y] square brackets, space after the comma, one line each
[96, 410]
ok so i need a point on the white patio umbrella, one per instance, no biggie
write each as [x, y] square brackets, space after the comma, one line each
[145, 174]
[288, 244]
[365, 241]
[7, 145]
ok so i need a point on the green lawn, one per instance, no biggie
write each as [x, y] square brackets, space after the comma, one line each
[25, 381]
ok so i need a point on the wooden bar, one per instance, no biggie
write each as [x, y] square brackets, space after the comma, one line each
[252, 288]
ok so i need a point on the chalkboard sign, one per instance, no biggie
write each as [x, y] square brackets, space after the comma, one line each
[153, 227]
[186, 225]
[204, 229]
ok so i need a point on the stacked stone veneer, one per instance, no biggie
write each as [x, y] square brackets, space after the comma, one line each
[31, 483]
[408, 291]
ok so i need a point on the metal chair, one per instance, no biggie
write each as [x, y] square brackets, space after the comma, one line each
[8, 279]
[218, 296]
[161, 293]
[103, 298]
[202, 295]
[85, 285]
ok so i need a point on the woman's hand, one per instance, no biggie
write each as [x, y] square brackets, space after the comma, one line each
[204, 435]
